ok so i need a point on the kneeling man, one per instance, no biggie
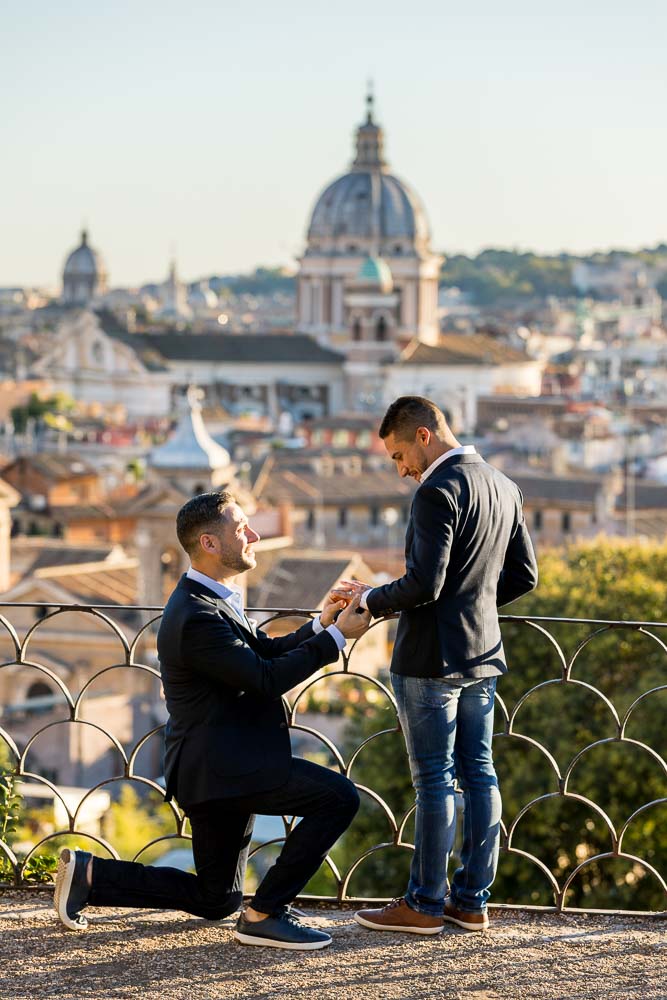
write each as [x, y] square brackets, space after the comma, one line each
[228, 753]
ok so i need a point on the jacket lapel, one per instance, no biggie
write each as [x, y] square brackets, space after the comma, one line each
[228, 609]
[194, 587]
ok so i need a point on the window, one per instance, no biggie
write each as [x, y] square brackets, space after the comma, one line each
[340, 439]
[374, 516]
[537, 520]
[38, 690]
[342, 517]
[41, 695]
[310, 520]
[381, 329]
[356, 330]
[566, 522]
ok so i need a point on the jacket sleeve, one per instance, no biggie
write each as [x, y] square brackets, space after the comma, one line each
[209, 646]
[519, 573]
[433, 521]
[276, 646]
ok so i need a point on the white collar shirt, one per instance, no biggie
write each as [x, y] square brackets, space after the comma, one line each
[464, 449]
[232, 594]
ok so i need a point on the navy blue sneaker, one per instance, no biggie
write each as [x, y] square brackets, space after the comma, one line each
[72, 889]
[281, 930]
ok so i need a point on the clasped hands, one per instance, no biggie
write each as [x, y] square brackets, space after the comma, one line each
[342, 607]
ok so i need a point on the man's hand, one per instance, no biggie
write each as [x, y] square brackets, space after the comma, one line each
[332, 606]
[354, 622]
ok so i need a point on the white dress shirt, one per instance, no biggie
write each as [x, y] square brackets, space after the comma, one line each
[234, 596]
[464, 449]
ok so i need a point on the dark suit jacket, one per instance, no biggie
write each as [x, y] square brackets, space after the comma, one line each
[467, 553]
[227, 732]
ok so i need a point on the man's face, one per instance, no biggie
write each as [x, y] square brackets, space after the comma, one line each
[232, 544]
[410, 456]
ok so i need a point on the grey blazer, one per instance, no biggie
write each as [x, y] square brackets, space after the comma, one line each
[467, 552]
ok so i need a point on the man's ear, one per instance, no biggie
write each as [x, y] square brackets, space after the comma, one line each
[207, 543]
[423, 436]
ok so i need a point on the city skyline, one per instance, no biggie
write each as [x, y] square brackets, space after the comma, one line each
[194, 133]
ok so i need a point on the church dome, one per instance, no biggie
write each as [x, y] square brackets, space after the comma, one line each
[85, 275]
[358, 204]
[84, 262]
[190, 446]
[368, 202]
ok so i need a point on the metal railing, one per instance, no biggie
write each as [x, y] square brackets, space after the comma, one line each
[547, 768]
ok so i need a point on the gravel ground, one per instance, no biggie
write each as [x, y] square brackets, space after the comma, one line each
[170, 956]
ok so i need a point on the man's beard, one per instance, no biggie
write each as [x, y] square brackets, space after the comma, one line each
[239, 561]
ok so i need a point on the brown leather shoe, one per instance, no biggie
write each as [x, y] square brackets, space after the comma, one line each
[475, 921]
[398, 916]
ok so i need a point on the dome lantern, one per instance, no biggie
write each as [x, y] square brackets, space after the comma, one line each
[370, 142]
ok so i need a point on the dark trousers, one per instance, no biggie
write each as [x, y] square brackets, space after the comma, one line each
[221, 831]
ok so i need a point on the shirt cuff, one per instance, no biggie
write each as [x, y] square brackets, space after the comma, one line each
[333, 631]
[363, 600]
[337, 636]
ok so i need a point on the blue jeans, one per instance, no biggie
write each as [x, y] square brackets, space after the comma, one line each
[448, 728]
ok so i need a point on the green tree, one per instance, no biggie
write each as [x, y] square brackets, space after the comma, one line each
[134, 821]
[13, 817]
[51, 411]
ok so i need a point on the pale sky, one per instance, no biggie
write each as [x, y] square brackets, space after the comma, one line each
[211, 128]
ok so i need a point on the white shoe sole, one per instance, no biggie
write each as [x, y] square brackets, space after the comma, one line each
[466, 926]
[272, 943]
[402, 929]
[64, 876]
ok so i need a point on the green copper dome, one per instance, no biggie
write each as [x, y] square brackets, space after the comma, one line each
[375, 271]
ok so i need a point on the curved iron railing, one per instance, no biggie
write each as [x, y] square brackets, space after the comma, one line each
[131, 629]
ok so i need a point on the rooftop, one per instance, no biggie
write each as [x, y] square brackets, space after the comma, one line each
[54, 466]
[306, 485]
[253, 348]
[582, 489]
[461, 349]
[153, 955]
[303, 578]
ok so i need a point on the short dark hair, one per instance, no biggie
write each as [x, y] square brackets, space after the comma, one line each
[407, 413]
[199, 515]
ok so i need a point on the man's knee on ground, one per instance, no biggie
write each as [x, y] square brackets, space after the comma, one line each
[217, 906]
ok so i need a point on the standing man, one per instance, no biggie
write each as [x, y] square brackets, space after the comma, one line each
[467, 553]
[228, 753]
